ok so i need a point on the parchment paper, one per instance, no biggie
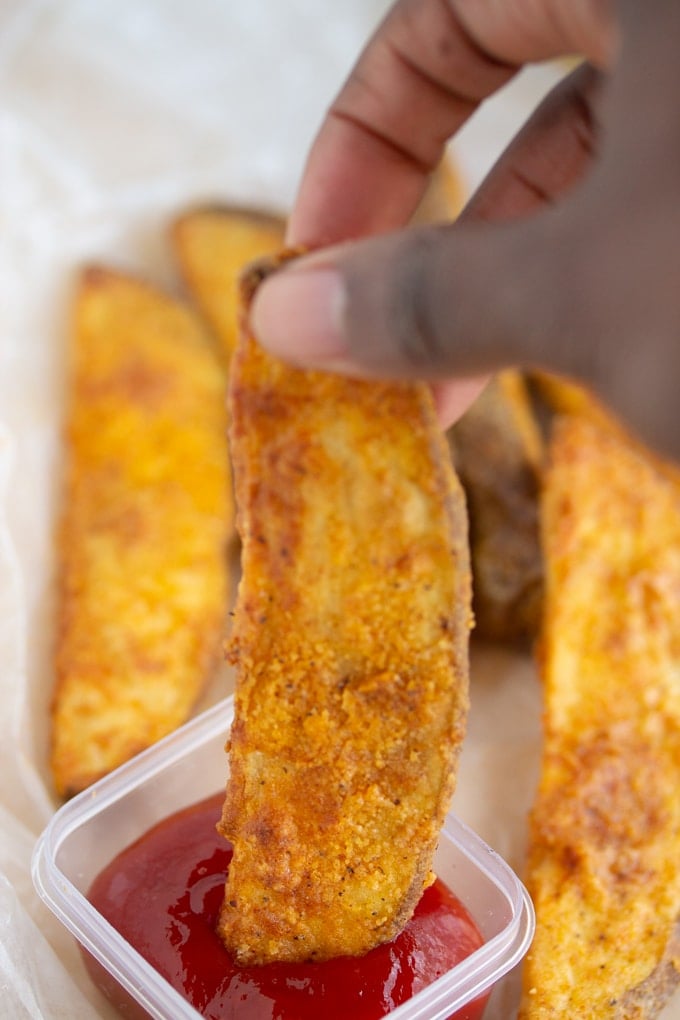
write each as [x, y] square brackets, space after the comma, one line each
[113, 117]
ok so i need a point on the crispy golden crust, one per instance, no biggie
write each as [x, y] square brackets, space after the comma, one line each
[147, 514]
[605, 831]
[350, 643]
[498, 453]
[213, 245]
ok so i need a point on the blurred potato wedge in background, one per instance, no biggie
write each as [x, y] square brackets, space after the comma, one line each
[350, 644]
[498, 452]
[444, 196]
[561, 395]
[143, 585]
[556, 395]
[605, 828]
[212, 246]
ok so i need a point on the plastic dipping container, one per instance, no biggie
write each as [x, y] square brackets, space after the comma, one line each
[190, 764]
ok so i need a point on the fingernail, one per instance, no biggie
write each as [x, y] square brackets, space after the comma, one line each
[297, 315]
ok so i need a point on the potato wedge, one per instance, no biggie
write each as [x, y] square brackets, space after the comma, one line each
[213, 245]
[605, 829]
[147, 512]
[561, 395]
[557, 394]
[350, 643]
[444, 197]
[498, 452]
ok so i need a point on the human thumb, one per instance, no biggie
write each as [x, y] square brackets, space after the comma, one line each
[428, 303]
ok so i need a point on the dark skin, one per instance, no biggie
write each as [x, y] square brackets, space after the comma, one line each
[567, 258]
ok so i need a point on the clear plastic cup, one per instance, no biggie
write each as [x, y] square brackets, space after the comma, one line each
[189, 765]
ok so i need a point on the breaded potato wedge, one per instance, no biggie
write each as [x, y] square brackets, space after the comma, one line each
[212, 246]
[350, 643]
[605, 830]
[498, 452]
[147, 513]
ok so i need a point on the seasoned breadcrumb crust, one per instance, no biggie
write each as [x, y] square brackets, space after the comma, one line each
[350, 644]
[147, 514]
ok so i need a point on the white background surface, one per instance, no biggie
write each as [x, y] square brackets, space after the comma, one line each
[113, 117]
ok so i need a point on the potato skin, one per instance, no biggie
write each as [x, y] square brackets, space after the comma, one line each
[350, 644]
[605, 828]
[147, 513]
[498, 452]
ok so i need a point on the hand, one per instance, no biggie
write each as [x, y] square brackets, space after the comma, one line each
[568, 257]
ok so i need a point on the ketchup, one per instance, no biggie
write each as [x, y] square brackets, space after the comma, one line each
[163, 894]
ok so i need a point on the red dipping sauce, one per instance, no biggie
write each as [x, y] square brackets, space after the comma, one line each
[163, 894]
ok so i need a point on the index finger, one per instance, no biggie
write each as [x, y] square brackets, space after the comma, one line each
[424, 72]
